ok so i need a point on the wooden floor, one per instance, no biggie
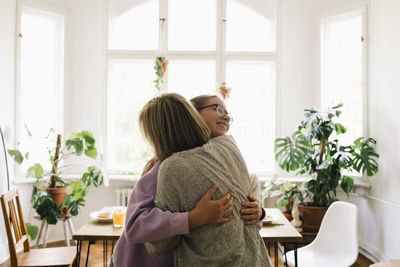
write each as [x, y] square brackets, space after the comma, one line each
[96, 256]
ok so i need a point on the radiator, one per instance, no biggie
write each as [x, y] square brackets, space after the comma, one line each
[123, 196]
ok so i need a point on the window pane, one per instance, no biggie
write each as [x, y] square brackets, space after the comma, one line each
[130, 86]
[41, 80]
[191, 77]
[341, 72]
[133, 25]
[252, 104]
[192, 25]
[251, 25]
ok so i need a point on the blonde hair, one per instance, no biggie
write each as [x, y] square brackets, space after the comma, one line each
[171, 124]
[199, 101]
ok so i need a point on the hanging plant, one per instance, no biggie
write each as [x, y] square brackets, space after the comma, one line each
[160, 68]
[224, 91]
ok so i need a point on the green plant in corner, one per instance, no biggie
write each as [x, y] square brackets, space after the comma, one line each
[312, 149]
[43, 202]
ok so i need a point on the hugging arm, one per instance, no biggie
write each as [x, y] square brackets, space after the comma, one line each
[166, 199]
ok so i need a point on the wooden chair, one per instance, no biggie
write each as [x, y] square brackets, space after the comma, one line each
[13, 218]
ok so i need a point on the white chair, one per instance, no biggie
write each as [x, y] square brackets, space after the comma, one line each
[336, 244]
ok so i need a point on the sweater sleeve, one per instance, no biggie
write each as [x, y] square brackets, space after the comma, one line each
[166, 199]
[147, 223]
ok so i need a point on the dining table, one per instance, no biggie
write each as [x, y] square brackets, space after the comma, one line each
[278, 230]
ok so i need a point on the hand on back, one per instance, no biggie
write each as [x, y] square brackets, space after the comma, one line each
[210, 211]
[252, 211]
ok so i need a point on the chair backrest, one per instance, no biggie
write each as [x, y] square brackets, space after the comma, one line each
[15, 226]
[338, 234]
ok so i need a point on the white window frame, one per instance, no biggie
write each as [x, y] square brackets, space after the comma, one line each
[363, 8]
[17, 93]
[364, 15]
[218, 55]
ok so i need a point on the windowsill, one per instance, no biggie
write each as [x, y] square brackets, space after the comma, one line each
[71, 177]
[359, 181]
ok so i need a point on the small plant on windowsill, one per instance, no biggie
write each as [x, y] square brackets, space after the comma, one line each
[59, 196]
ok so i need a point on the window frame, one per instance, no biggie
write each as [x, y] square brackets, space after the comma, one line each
[219, 55]
[42, 8]
[337, 13]
[363, 8]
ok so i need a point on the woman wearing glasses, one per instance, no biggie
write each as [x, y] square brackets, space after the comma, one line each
[146, 223]
[186, 175]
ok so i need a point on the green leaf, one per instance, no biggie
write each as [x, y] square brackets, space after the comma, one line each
[347, 184]
[16, 154]
[365, 157]
[35, 171]
[291, 153]
[282, 202]
[91, 152]
[340, 129]
[32, 230]
[88, 137]
[26, 156]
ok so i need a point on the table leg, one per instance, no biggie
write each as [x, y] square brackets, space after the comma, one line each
[295, 254]
[269, 249]
[276, 253]
[284, 251]
[88, 250]
[78, 252]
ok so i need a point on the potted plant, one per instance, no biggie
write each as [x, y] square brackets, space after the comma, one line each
[314, 149]
[287, 193]
[59, 196]
[160, 68]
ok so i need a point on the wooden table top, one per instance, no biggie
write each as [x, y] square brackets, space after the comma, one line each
[283, 232]
[97, 231]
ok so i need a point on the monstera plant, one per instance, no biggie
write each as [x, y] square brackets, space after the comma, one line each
[314, 149]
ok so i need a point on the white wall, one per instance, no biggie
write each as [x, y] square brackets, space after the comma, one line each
[7, 66]
[383, 206]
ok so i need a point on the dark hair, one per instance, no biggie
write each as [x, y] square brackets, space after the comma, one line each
[171, 124]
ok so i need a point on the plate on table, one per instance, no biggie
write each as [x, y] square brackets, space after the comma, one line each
[105, 214]
[101, 216]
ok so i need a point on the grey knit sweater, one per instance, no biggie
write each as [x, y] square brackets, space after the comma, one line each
[183, 179]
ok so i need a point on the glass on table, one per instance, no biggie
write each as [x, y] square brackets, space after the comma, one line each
[118, 218]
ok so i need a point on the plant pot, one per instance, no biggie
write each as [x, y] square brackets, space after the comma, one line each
[58, 194]
[311, 216]
[165, 66]
[65, 211]
[288, 216]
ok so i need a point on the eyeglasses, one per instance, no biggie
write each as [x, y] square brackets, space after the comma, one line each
[220, 110]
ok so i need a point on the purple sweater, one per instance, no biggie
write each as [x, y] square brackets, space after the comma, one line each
[146, 223]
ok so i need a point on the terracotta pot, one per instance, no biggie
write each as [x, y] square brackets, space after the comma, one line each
[288, 216]
[311, 216]
[65, 211]
[165, 66]
[58, 194]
